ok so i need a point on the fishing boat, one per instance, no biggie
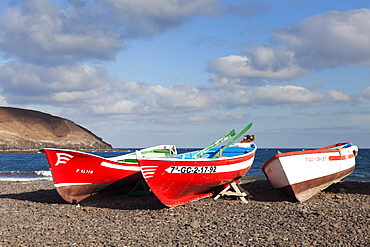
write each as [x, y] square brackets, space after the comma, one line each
[195, 175]
[305, 173]
[78, 175]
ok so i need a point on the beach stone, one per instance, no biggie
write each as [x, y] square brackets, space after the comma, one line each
[195, 224]
[33, 214]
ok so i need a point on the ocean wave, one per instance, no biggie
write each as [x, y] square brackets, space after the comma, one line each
[43, 173]
[25, 176]
[14, 179]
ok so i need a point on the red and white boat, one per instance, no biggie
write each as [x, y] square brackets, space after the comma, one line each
[305, 173]
[186, 177]
[78, 175]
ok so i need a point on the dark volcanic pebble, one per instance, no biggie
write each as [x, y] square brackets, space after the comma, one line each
[33, 214]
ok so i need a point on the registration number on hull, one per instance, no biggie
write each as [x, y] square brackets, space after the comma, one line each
[192, 169]
[84, 171]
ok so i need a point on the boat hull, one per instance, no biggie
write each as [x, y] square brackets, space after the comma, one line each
[78, 175]
[178, 181]
[305, 173]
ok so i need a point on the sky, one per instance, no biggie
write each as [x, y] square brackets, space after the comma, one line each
[139, 73]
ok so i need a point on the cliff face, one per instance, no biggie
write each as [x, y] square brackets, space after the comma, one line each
[22, 129]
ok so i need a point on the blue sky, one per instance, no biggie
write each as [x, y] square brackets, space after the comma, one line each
[145, 72]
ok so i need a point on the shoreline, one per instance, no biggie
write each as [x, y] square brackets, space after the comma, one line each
[80, 150]
[34, 214]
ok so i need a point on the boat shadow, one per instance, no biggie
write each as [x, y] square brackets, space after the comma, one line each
[259, 190]
[121, 201]
[349, 187]
[262, 190]
[124, 202]
[49, 196]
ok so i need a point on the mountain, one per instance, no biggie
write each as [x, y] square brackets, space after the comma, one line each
[27, 130]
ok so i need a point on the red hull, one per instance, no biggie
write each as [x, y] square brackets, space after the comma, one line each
[79, 175]
[177, 181]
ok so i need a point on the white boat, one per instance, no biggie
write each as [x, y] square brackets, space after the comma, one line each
[305, 173]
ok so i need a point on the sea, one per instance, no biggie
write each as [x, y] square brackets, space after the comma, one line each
[34, 166]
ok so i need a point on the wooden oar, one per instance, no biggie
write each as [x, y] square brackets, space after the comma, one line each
[222, 139]
[232, 141]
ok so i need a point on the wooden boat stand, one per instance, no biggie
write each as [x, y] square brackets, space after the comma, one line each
[236, 191]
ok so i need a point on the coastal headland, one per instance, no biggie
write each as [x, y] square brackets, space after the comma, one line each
[33, 214]
[23, 130]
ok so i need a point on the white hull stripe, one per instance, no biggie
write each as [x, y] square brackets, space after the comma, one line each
[70, 184]
[148, 171]
[121, 167]
[235, 167]
[221, 169]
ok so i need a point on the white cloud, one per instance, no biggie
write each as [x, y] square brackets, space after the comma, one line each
[147, 17]
[287, 96]
[366, 93]
[92, 91]
[27, 83]
[119, 107]
[49, 34]
[130, 100]
[227, 116]
[68, 98]
[198, 118]
[50, 42]
[330, 39]
[65, 32]
[263, 63]
[338, 96]
[180, 97]
[3, 101]
[129, 90]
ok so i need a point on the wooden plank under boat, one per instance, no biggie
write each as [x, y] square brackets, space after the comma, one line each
[78, 175]
[180, 179]
[305, 173]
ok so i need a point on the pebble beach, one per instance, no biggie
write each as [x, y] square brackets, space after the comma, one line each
[33, 214]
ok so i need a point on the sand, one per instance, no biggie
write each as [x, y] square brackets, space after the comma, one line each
[33, 214]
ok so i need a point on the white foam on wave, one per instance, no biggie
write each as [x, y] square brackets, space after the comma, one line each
[43, 173]
[26, 175]
[14, 179]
